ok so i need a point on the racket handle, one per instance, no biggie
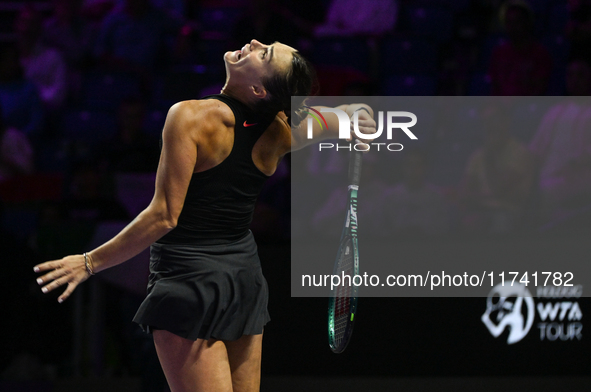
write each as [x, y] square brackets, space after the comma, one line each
[355, 168]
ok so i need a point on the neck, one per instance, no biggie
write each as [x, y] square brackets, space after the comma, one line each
[236, 94]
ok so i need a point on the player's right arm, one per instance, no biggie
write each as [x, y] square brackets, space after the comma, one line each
[181, 137]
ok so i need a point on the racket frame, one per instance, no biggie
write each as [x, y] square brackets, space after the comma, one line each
[349, 233]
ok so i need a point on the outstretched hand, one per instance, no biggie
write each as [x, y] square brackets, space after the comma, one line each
[70, 271]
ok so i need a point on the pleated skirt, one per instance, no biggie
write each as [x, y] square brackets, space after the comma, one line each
[204, 292]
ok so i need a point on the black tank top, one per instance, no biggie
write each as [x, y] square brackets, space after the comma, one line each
[220, 201]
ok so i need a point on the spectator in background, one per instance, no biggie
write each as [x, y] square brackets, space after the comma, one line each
[42, 65]
[68, 31]
[520, 66]
[578, 77]
[562, 147]
[342, 80]
[98, 6]
[269, 20]
[16, 153]
[70, 222]
[87, 199]
[132, 150]
[498, 178]
[358, 88]
[578, 28]
[415, 206]
[95, 11]
[19, 99]
[131, 38]
[350, 17]
[175, 9]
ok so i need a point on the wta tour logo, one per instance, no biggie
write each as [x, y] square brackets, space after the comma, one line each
[345, 129]
[511, 307]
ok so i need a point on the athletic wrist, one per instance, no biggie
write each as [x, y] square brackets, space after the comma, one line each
[353, 108]
[88, 263]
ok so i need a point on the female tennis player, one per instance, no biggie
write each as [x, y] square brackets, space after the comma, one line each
[207, 298]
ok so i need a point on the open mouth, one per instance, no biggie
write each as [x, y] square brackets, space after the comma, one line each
[240, 51]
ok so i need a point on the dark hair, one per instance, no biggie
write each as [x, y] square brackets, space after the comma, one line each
[299, 80]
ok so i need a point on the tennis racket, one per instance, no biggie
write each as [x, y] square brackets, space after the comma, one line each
[342, 305]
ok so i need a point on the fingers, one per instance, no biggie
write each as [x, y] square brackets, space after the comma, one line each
[367, 124]
[366, 127]
[367, 130]
[69, 280]
[71, 285]
[363, 115]
[52, 285]
[48, 265]
[67, 271]
[55, 274]
[66, 294]
[362, 131]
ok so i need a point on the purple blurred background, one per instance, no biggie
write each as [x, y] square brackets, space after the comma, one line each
[85, 86]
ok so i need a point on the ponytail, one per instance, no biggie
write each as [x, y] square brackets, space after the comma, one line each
[294, 118]
[299, 81]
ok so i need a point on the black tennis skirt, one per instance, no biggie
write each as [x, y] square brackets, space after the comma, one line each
[203, 292]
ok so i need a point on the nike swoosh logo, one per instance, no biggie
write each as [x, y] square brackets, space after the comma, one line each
[249, 125]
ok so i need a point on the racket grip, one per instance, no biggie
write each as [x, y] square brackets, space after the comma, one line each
[355, 168]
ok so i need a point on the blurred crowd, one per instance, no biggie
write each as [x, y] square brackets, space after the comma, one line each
[85, 86]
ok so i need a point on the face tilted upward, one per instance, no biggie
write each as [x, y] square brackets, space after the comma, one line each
[254, 61]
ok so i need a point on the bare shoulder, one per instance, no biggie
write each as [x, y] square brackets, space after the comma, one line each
[203, 116]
